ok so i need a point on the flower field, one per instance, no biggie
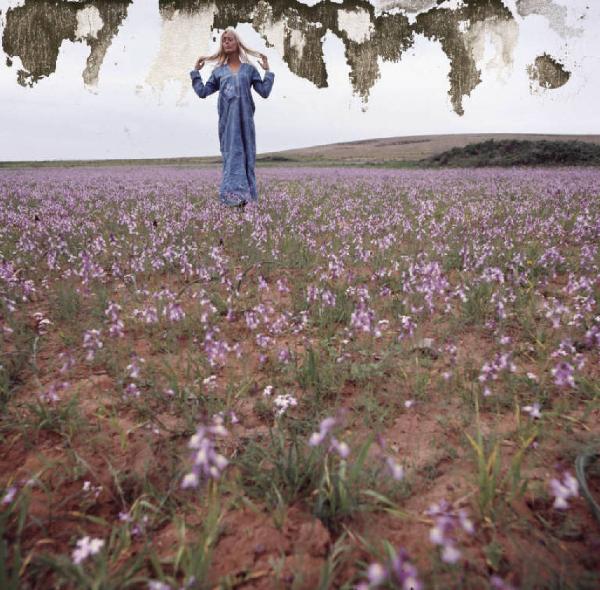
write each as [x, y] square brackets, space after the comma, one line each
[370, 379]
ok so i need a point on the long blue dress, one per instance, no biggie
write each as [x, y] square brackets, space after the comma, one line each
[237, 135]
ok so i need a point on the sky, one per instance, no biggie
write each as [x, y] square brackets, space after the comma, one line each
[135, 111]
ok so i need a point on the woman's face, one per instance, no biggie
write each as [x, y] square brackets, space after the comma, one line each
[229, 42]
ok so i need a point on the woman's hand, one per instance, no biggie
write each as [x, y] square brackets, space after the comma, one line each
[199, 64]
[264, 64]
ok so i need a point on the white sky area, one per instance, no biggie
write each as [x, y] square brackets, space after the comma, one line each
[137, 112]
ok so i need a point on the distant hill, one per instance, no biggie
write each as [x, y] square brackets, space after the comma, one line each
[514, 152]
[414, 150]
[393, 152]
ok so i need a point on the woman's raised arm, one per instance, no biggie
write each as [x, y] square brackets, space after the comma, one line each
[201, 89]
[262, 87]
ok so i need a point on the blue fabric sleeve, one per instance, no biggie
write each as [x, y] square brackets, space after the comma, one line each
[204, 90]
[262, 87]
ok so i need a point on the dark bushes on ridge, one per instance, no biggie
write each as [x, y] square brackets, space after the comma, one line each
[513, 152]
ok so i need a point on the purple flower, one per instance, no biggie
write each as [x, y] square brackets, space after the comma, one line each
[396, 470]
[68, 361]
[450, 554]
[94, 490]
[9, 496]
[51, 396]
[564, 489]
[86, 546]
[112, 311]
[362, 317]
[174, 312]
[563, 374]
[252, 319]
[91, 343]
[328, 298]
[399, 571]
[407, 326]
[263, 340]
[210, 381]
[376, 574]
[284, 356]
[282, 286]
[325, 428]
[149, 315]
[216, 350]
[262, 284]
[325, 435]
[283, 402]
[533, 410]
[592, 336]
[312, 293]
[207, 463]
[134, 368]
[132, 390]
[116, 329]
[491, 371]
[445, 526]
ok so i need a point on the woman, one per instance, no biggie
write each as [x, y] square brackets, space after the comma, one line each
[233, 77]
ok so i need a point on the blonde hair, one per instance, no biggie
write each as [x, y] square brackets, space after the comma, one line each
[221, 57]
